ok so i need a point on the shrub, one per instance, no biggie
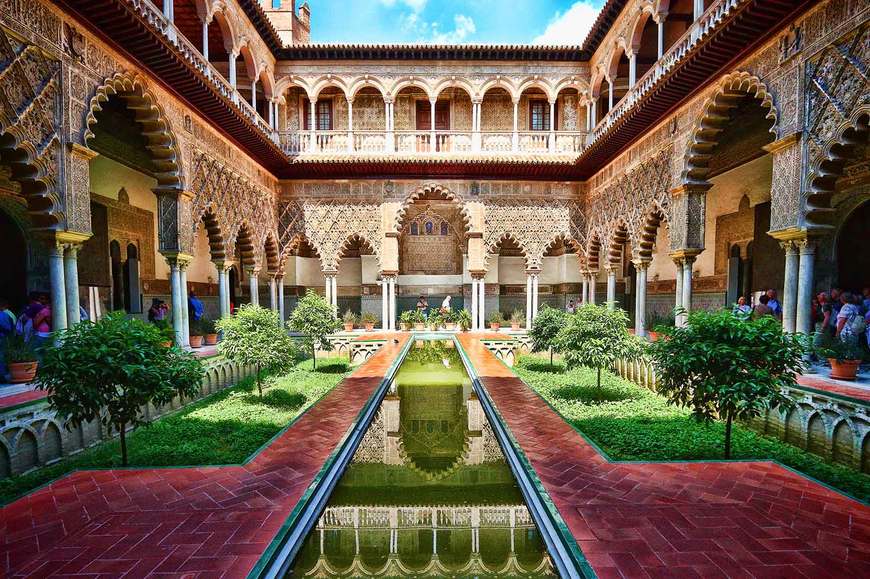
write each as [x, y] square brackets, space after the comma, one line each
[545, 328]
[349, 317]
[727, 367]
[596, 337]
[408, 317]
[369, 318]
[19, 349]
[110, 370]
[463, 318]
[496, 318]
[518, 317]
[314, 318]
[254, 337]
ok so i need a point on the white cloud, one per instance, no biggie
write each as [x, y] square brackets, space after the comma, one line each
[415, 5]
[431, 33]
[570, 27]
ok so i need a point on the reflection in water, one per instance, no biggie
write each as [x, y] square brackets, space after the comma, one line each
[428, 492]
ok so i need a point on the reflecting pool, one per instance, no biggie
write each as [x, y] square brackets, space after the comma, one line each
[428, 492]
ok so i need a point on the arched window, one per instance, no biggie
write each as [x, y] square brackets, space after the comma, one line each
[429, 228]
[414, 229]
[117, 276]
[443, 228]
[132, 293]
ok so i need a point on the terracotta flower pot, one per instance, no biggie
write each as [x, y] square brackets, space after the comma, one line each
[844, 369]
[450, 326]
[210, 339]
[369, 326]
[166, 344]
[404, 327]
[22, 372]
[348, 327]
[419, 327]
[494, 327]
[196, 341]
[515, 326]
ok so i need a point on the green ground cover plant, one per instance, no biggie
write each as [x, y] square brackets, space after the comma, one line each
[630, 422]
[224, 428]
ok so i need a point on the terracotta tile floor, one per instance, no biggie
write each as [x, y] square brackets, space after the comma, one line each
[213, 521]
[746, 519]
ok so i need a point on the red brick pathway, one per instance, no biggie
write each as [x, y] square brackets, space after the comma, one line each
[213, 522]
[735, 519]
[834, 387]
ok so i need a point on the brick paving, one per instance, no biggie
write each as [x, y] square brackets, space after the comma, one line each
[192, 522]
[699, 519]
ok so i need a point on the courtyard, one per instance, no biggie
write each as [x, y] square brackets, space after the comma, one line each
[274, 304]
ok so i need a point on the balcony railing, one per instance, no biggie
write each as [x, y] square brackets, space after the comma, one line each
[717, 12]
[421, 142]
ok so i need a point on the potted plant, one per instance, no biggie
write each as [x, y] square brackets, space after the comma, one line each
[349, 320]
[166, 331]
[449, 317]
[495, 320]
[208, 331]
[517, 319]
[368, 321]
[406, 320]
[196, 333]
[463, 318]
[844, 356]
[434, 320]
[21, 359]
[419, 321]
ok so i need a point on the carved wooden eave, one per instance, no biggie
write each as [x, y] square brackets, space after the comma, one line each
[605, 19]
[120, 24]
[749, 26]
[440, 52]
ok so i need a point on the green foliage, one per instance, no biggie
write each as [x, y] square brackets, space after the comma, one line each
[655, 319]
[596, 337]
[17, 349]
[166, 330]
[314, 318]
[408, 317]
[496, 318]
[109, 370]
[839, 349]
[723, 366]
[630, 422]
[254, 337]
[369, 318]
[545, 328]
[463, 318]
[419, 317]
[224, 428]
[349, 317]
[202, 327]
[448, 316]
[518, 317]
[434, 319]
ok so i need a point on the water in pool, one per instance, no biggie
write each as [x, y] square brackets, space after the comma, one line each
[428, 493]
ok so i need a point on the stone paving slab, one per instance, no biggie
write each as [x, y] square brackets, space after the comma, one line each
[191, 522]
[690, 519]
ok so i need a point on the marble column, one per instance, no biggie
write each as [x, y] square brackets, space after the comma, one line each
[328, 294]
[475, 318]
[280, 282]
[552, 126]
[58, 286]
[312, 124]
[678, 291]
[385, 306]
[660, 27]
[335, 294]
[71, 279]
[185, 311]
[223, 294]
[481, 301]
[350, 146]
[515, 136]
[535, 296]
[273, 294]
[177, 308]
[529, 314]
[592, 277]
[253, 286]
[803, 317]
[688, 261]
[640, 298]
[391, 312]
[585, 291]
[632, 70]
[205, 40]
[789, 291]
[611, 288]
[432, 144]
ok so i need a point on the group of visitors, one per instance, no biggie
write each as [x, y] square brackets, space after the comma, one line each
[842, 314]
[33, 324]
[767, 305]
[159, 309]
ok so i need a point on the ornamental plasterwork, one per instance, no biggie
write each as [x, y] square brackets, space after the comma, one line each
[533, 226]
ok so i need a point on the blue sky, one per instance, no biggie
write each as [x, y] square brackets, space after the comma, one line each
[452, 21]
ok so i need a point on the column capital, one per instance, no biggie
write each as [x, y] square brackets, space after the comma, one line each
[642, 263]
[81, 151]
[387, 273]
[388, 100]
[477, 274]
[178, 259]
[685, 253]
[782, 143]
[789, 246]
[224, 264]
[690, 188]
[806, 246]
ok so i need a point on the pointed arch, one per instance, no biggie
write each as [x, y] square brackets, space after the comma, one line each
[408, 82]
[244, 248]
[592, 251]
[493, 248]
[648, 230]
[355, 239]
[715, 116]
[271, 254]
[428, 191]
[620, 235]
[214, 233]
[156, 128]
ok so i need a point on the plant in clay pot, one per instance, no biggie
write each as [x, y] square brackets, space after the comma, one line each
[21, 359]
[349, 320]
[406, 320]
[196, 333]
[368, 320]
[517, 320]
[844, 355]
[167, 331]
[419, 321]
[463, 318]
[434, 320]
[495, 321]
[209, 331]
[449, 317]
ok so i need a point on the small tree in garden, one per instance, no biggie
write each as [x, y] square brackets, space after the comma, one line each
[545, 328]
[597, 337]
[724, 366]
[255, 337]
[314, 318]
[111, 369]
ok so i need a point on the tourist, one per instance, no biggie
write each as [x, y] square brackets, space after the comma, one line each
[571, 307]
[24, 325]
[194, 306]
[836, 304]
[42, 323]
[422, 304]
[761, 308]
[7, 328]
[865, 303]
[157, 311]
[741, 308]
[847, 318]
[773, 303]
[822, 314]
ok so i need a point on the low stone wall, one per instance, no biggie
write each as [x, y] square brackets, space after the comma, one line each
[834, 427]
[32, 436]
